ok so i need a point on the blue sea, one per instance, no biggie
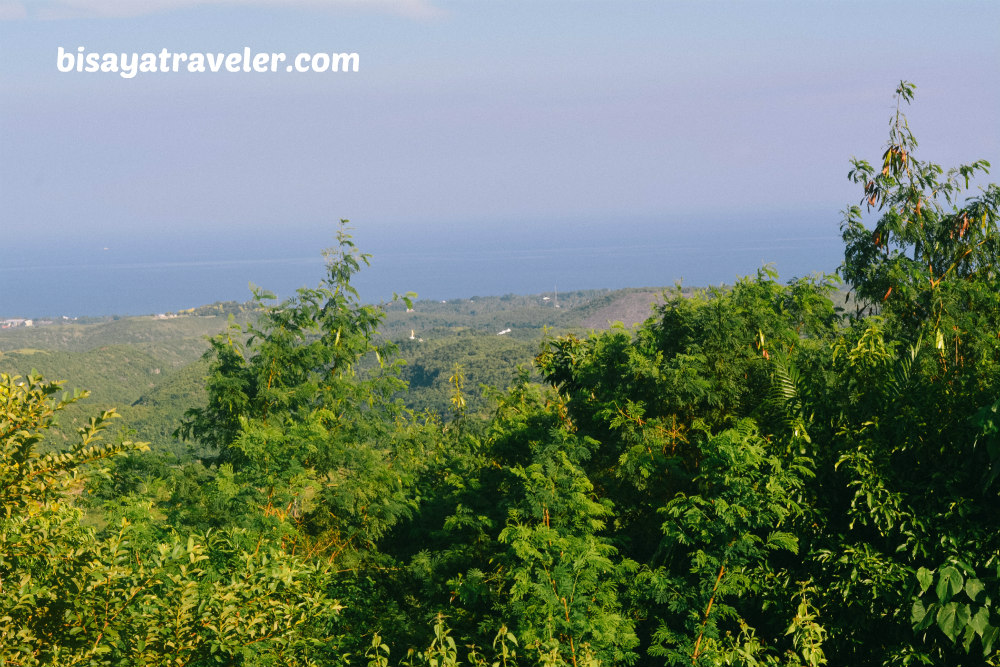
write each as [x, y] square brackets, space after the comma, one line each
[154, 272]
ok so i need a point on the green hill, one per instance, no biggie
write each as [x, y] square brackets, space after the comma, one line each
[150, 368]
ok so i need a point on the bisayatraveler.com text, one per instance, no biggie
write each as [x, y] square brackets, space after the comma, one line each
[128, 65]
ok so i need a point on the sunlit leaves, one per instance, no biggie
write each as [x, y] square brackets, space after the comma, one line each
[949, 582]
[70, 596]
[925, 234]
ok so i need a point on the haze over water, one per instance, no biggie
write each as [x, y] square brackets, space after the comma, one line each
[144, 275]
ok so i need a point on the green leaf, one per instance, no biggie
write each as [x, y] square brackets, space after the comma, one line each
[949, 583]
[927, 617]
[989, 636]
[974, 587]
[980, 620]
[947, 619]
[952, 618]
[925, 577]
[782, 540]
[970, 636]
[917, 613]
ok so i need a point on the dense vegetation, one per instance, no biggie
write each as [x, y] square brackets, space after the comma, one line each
[750, 477]
[151, 369]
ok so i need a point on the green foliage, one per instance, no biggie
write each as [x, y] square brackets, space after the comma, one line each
[565, 577]
[301, 415]
[69, 596]
[125, 606]
[302, 357]
[28, 479]
[726, 533]
[746, 478]
[526, 315]
[145, 368]
[925, 233]
[485, 359]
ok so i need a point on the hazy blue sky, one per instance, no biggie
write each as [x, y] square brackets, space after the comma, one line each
[556, 118]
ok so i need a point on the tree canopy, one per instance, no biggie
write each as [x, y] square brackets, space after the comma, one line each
[750, 477]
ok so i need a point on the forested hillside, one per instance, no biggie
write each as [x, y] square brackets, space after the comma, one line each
[151, 368]
[752, 476]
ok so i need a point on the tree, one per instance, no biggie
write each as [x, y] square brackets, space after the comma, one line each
[301, 412]
[908, 411]
[925, 233]
[693, 451]
[70, 596]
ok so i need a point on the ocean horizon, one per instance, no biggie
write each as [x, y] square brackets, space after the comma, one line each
[139, 276]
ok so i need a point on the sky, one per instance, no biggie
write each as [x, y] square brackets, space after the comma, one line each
[469, 124]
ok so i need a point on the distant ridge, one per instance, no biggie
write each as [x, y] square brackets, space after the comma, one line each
[625, 306]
